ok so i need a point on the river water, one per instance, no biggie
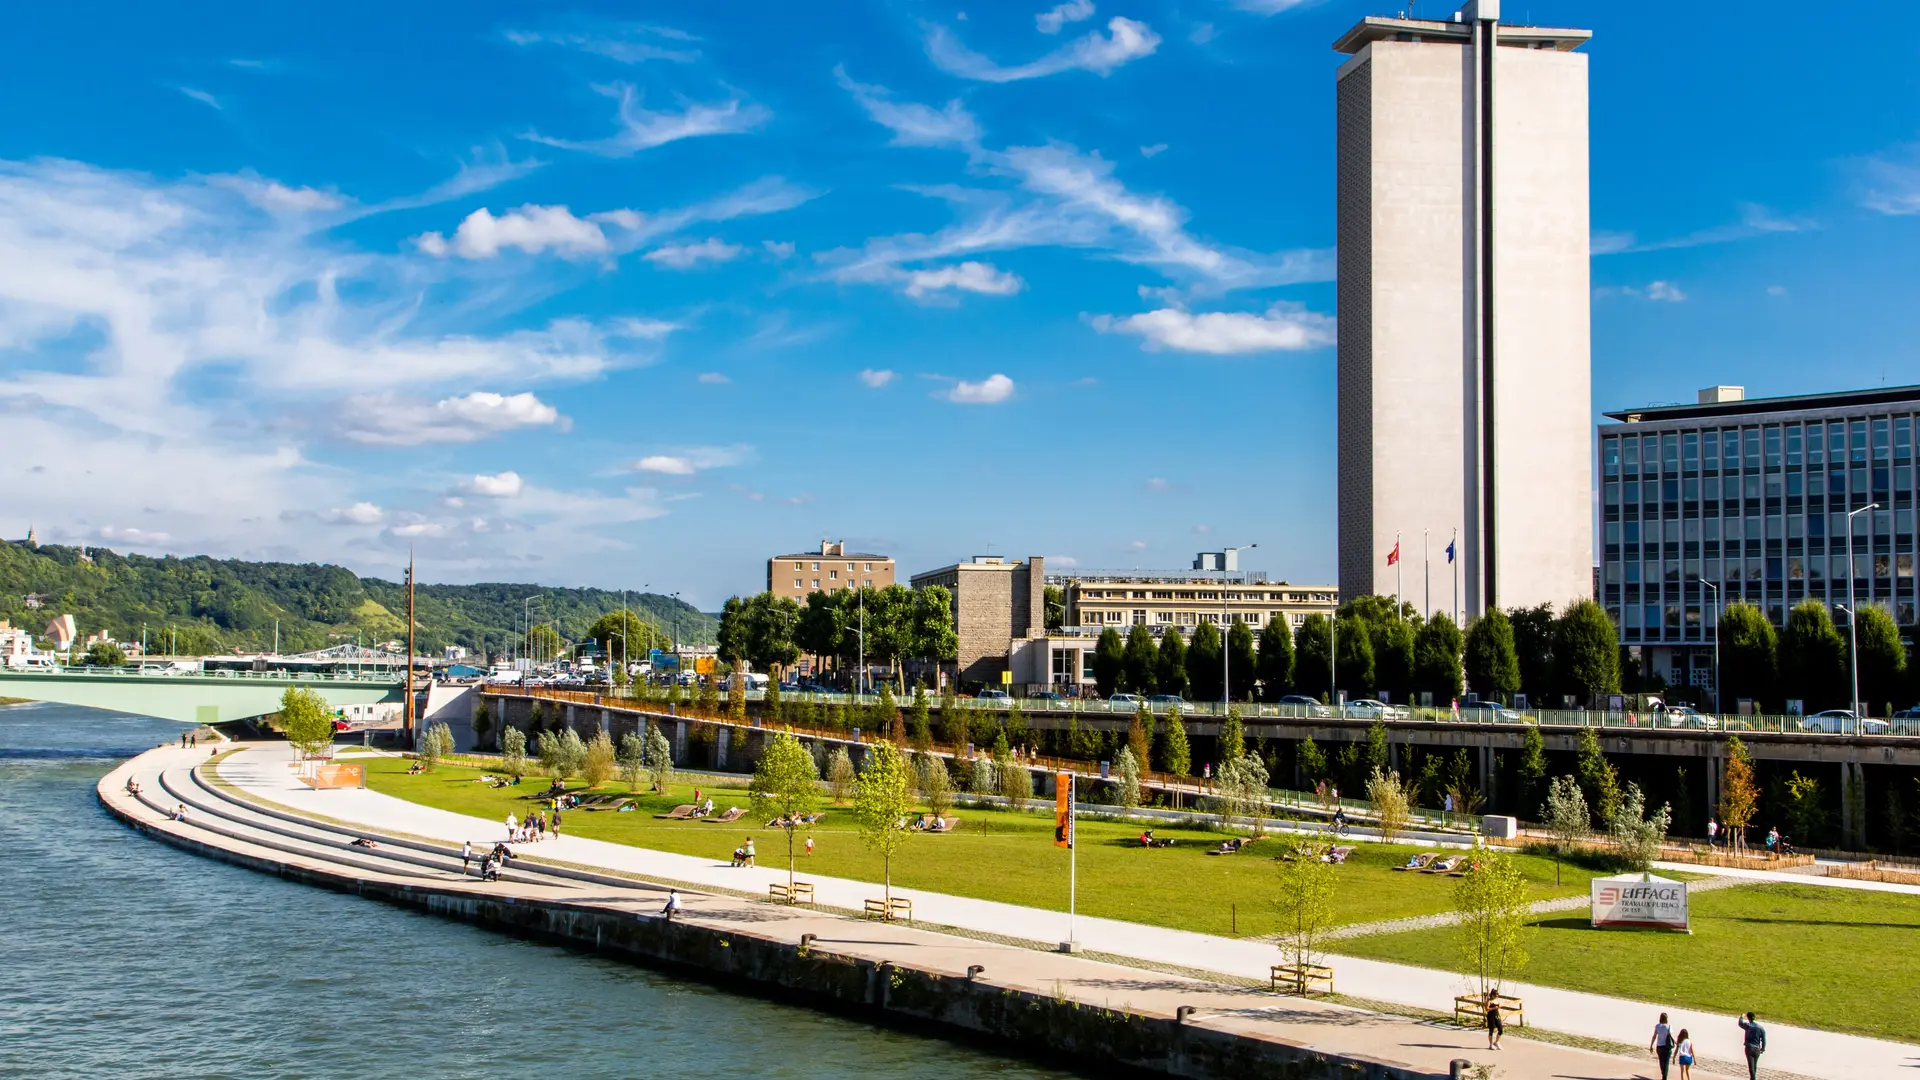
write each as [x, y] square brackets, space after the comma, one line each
[122, 958]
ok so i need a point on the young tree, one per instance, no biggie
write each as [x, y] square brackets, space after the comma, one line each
[737, 693]
[840, 773]
[980, 778]
[881, 803]
[886, 717]
[1313, 763]
[1303, 901]
[435, 742]
[936, 784]
[1127, 768]
[1739, 797]
[1813, 657]
[1531, 772]
[920, 719]
[1800, 804]
[1176, 756]
[1565, 816]
[632, 759]
[572, 754]
[482, 722]
[513, 752]
[659, 758]
[1243, 790]
[1274, 666]
[1311, 674]
[956, 726]
[597, 763]
[1491, 902]
[306, 721]
[1233, 737]
[785, 786]
[1243, 661]
[1056, 607]
[1436, 659]
[1389, 804]
[1016, 781]
[1140, 735]
[1138, 669]
[1170, 663]
[1882, 659]
[1375, 754]
[1599, 780]
[1636, 836]
[1749, 655]
[1109, 662]
[1493, 668]
[1587, 649]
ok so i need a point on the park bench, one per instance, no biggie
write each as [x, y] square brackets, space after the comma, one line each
[897, 908]
[1302, 979]
[1470, 1010]
[733, 814]
[679, 813]
[800, 892]
[1418, 862]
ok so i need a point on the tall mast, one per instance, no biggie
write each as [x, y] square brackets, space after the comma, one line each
[409, 714]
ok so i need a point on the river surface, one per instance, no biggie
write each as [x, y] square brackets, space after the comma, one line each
[122, 958]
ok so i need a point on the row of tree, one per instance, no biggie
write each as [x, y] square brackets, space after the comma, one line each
[1807, 659]
[898, 624]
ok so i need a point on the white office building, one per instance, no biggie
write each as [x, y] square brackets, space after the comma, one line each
[1464, 400]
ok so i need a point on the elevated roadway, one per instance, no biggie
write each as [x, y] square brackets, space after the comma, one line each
[194, 698]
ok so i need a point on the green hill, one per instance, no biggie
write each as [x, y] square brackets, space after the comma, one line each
[217, 605]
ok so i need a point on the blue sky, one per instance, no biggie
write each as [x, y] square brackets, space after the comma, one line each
[640, 294]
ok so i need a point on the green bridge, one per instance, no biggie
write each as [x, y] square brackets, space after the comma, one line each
[193, 698]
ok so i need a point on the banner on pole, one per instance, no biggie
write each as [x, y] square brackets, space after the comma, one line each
[1063, 810]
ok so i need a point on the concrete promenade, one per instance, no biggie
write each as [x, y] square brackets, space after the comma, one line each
[1227, 1024]
[263, 772]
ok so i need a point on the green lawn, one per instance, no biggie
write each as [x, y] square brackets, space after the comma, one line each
[1837, 959]
[997, 855]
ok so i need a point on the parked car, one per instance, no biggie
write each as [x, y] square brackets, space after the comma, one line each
[1371, 709]
[1302, 705]
[1483, 712]
[994, 697]
[1842, 722]
[1046, 699]
[1124, 702]
[1163, 702]
[1686, 716]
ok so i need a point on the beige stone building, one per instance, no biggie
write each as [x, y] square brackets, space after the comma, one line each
[829, 569]
[1464, 351]
[996, 603]
[1182, 600]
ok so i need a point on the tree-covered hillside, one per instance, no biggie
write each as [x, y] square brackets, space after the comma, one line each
[217, 605]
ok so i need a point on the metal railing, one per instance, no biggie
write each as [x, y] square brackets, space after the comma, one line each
[278, 675]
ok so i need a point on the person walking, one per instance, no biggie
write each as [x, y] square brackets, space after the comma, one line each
[1713, 833]
[1685, 1055]
[1662, 1044]
[1495, 1026]
[749, 851]
[809, 846]
[1756, 1044]
[466, 856]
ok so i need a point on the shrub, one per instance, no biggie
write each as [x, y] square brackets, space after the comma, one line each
[632, 759]
[840, 773]
[513, 751]
[596, 764]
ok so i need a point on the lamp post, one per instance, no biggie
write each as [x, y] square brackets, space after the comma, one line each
[1226, 685]
[526, 607]
[1853, 633]
[1717, 709]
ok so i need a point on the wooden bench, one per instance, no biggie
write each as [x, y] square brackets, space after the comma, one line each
[1470, 1010]
[800, 892]
[1302, 979]
[897, 908]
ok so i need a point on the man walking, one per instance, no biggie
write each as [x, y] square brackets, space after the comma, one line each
[1713, 832]
[466, 856]
[1756, 1043]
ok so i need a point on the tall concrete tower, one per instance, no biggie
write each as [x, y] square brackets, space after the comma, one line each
[1464, 308]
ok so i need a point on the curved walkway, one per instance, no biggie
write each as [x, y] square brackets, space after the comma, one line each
[263, 773]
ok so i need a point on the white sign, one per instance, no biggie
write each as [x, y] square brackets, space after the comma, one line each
[1639, 902]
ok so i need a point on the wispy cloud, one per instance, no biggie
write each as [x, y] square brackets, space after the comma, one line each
[505, 485]
[1889, 183]
[1153, 151]
[713, 378]
[693, 459]
[912, 123]
[991, 390]
[1660, 291]
[389, 420]
[1283, 327]
[1124, 41]
[974, 277]
[279, 198]
[360, 513]
[201, 96]
[1272, 7]
[1051, 20]
[557, 230]
[642, 129]
[626, 43]
[875, 379]
[1755, 220]
[687, 256]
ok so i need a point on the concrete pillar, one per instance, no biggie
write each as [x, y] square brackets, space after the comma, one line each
[606, 722]
[1393, 756]
[570, 716]
[679, 740]
[1486, 773]
[1852, 791]
[723, 738]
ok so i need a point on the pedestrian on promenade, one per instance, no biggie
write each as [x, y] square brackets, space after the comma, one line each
[1713, 833]
[466, 856]
[673, 904]
[1495, 1026]
[1662, 1044]
[1686, 1055]
[512, 823]
[1756, 1044]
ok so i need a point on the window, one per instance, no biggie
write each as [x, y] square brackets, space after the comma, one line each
[868, 583]
[1163, 616]
[833, 575]
[816, 568]
[1816, 445]
[1298, 618]
[816, 583]
[849, 568]
[1793, 444]
[1210, 617]
[1610, 456]
[1251, 618]
[1139, 617]
[796, 583]
[869, 568]
[796, 565]
[1690, 450]
[1187, 619]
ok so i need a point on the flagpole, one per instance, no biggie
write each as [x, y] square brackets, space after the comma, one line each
[1426, 572]
[1398, 573]
[1455, 560]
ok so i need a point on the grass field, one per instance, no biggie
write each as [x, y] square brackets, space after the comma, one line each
[997, 855]
[1836, 959]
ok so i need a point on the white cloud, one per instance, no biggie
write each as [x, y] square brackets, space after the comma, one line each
[1125, 40]
[1776, 290]
[666, 464]
[992, 390]
[1066, 561]
[272, 195]
[360, 513]
[506, 485]
[779, 249]
[1051, 20]
[131, 536]
[877, 379]
[420, 530]
[1890, 182]
[975, 277]
[1665, 290]
[1157, 484]
[1222, 333]
[532, 229]
[641, 129]
[693, 459]
[713, 378]
[386, 420]
[913, 124]
[541, 229]
[625, 43]
[688, 256]
[1153, 151]
[202, 97]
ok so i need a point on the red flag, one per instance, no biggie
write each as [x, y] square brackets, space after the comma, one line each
[1394, 555]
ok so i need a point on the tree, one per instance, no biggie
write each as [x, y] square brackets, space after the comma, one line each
[1599, 781]
[936, 784]
[881, 803]
[1493, 668]
[1170, 663]
[482, 721]
[1636, 836]
[1389, 804]
[920, 719]
[1436, 659]
[935, 635]
[1882, 659]
[624, 630]
[1016, 781]
[306, 721]
[435, 742]
[1355, 664]
[106, 654]
[1176, 756]
[737, 694]
[1739, 797]
[513, 752]
[980, 779]
[1127, 767]
[1531, 772]
[785, 786]
[1311, 673]
[840, 773]
[1055, 599]
[1140, 735]
[1243, 662]
[1586, 649]
[1242, 784]
[1491, 903]
[1800, 804]
[1233, 737]
[1303, 902]
[1313, 763]
[597, 764]
[955, 724]
[1749, 655]
[1274, 665]
[1813, 657]
[563, 753]
[1533, 650]
[1203, 663]
[1137, 670]
[1375, 755]
[1565, 816]
[1109, 662]
[632, 759]
[659, 758]
[821, 631]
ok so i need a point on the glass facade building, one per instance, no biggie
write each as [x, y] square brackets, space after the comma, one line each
[1752, 496]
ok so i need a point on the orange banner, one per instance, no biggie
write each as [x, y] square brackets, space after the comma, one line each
[1063, 810]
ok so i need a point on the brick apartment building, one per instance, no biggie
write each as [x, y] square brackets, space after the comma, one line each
[829, 569]
[996, 603]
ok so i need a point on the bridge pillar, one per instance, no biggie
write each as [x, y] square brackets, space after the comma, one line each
[1852, 792]
[571, 713]
[723, 738]
[1486, 775]
[680, 740]
[606, 722]
[1713, 786]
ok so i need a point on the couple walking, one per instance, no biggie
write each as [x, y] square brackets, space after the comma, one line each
[1672, 1049]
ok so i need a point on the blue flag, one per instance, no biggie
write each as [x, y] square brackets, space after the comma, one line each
[1450, 544]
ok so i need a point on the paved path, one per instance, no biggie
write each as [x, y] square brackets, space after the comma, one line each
[264, 772]
[1538, 907]
[1788, 877]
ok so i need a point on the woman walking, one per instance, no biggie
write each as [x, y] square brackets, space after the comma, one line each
[1662, 1044]
[1685, 1055]
[1495, 1026]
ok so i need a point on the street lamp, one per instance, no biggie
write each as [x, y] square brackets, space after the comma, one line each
[1226, 687]
[1853, 633]
[526, 607]
[1718, 710]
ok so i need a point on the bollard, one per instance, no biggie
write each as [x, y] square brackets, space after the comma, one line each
[1457, 1068]
[974, 970]
[1180, 1014]
[806, 942]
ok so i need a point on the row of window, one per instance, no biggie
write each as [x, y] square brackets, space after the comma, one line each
[1771, 568]
[1189, 594]
[1654, 622]
[1873, 525]
[1142, 617]
[833, 582]
[816, 567]
[1754, 486]
[1863, 439]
